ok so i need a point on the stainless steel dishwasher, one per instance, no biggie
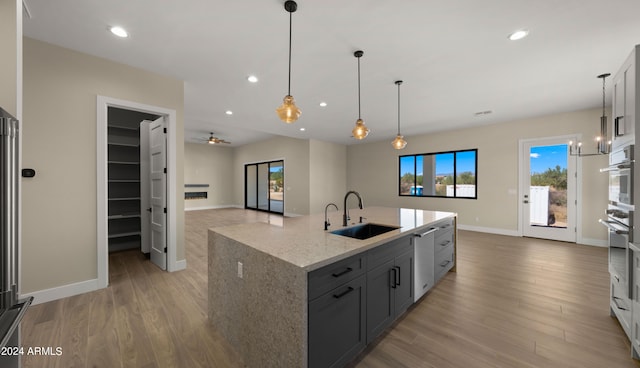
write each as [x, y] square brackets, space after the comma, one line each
[423, 262]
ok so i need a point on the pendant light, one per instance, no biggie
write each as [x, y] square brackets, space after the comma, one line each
[603, 146]
[360, 131]
[399, 143]
[288, 111]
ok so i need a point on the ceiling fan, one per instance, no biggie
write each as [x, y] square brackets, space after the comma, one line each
[215, 140]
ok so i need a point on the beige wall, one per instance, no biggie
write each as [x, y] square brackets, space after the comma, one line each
[213, 165]
[295, 153]
[328, 174]
[373, 170]
[9, 60]
[59, 142]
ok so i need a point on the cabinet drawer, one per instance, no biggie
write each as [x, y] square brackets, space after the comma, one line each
[620, 303]
[337, 325]
[443, 261]
[386, 252]
[335, 274]
[445, 224]
[443, 239]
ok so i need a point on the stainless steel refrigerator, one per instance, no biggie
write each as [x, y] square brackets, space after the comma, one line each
[11, 308]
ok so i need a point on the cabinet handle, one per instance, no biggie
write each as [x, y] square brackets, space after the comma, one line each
[617, 126]
[338, 296]
[426, 233]
[615, 301]
[616, 277]
[399, 273]
[445, 243]
[445, 263]
[395, 276]
[349, 269]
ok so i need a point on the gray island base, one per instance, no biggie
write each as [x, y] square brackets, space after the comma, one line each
[259, 292]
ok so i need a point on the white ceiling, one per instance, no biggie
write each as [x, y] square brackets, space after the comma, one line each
[454, 57]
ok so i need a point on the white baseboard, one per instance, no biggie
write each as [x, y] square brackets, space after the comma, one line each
[210, 207]
[180, 265]
[60, 292]
[489, 230]
[594, 242]
[583, 241]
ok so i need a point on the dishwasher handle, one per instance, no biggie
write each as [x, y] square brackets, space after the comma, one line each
[420, 235]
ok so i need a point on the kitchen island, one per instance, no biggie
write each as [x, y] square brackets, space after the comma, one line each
[260, 273]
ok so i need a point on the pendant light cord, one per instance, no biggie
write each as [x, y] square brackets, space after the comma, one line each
[603, 91]
[398, 108]
[359, 88]
[290, 32]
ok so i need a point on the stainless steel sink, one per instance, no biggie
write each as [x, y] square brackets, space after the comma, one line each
[364, 231]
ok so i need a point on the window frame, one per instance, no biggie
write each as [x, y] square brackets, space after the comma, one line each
[455, 173]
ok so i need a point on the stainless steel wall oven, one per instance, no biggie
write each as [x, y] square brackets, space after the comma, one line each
[619, 223]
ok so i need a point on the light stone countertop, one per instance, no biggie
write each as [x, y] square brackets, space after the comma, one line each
[303, 242]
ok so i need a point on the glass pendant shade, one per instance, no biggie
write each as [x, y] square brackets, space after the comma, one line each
[288, 111]
[399, 143]
[360, 131]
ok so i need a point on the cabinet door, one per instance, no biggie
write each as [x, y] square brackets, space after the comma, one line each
[404, 283]
[380, 305]
[635, 303]
[623, 107]
[337, 325]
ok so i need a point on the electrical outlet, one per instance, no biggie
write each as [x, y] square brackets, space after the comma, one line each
[240, 270]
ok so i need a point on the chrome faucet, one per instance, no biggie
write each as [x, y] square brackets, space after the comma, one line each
[326, 219]
[345, 215]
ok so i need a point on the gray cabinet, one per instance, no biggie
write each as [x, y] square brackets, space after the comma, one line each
[389, 284]
[444, 251]
[635, 301]
[625, 101]
[337, 313]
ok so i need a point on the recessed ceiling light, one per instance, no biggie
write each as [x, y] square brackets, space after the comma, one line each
[518, 35]
[302, 129]
[323, 104]
[229, 112]
[119, 31]
[252, 79]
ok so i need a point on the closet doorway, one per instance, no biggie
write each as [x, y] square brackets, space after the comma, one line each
[127, 189]
[264, 186]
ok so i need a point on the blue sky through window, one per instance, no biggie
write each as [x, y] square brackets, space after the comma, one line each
[466, 161]
[544, 157]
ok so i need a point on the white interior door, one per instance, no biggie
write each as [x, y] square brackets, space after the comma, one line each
[158, 192]
[145, 186]
[548, 189]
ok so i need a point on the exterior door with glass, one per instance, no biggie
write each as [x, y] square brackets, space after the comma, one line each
[548, 189]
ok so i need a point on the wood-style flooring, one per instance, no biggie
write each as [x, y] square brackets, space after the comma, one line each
[514, 302]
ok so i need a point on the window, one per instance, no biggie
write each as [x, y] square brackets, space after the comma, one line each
[441, 174]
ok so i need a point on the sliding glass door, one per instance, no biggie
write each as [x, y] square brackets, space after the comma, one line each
[264, 186]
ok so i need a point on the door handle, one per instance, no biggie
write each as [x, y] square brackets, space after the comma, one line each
[148, 209]
[525, 201]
